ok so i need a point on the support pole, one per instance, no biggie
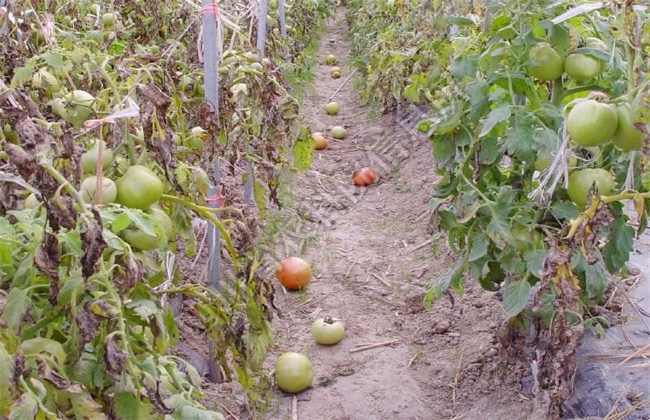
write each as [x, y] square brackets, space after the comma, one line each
[210, 57]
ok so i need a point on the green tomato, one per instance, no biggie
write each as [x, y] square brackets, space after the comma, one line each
[332, 108]
[31, 201]
[293, 372]
[89, 186]
[45, 80]
[139, 188]
[160, 217]
[327, 331]
[544, 160]
[89, 158]
[75, 107]
[141, 240]
[580, 183]
[591, 123]
[627, 137]
[582, 67]
[338, 132]
[547, 63]
[109, 20]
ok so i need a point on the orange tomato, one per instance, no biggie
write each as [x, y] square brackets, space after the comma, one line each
[364, 177]
[294, 273]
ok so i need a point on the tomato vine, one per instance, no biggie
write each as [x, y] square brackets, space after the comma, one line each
[110, 94]
[518, 193]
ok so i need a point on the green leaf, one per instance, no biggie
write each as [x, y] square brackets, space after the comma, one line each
[188, 412]
[519, 135]
[36, 346]
[72, 286]
[127, 406]
[302, 153]
[6, 379]
[24, 408]
[54, 60]
[596, 281]
[22, 75]
[466, 65]
[17, 305]
[478, 248]
[499, 114]
[455, 276]
[534, 259]
[84, 407]
[515, 297]
[144, 308]
[565, 210]
[620, 245]
[259, 194]
[121, 222]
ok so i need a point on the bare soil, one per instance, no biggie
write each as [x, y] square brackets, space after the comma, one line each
[373, 257]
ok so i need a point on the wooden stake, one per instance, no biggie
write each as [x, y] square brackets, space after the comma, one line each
[363, 347]
[294, 408]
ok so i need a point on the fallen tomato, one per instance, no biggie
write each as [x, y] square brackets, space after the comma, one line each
[294, 273]
[293, 372]
[320, 142]
[363, 177]
[327, 331]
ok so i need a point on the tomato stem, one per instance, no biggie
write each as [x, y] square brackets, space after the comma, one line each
[206, 213]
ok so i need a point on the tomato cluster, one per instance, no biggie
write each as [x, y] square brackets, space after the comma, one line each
[138, 188]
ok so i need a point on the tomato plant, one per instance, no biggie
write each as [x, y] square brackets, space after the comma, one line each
[87, 328]
[509, 128]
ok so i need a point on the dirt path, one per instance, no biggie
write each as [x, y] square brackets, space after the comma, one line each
[372, 258]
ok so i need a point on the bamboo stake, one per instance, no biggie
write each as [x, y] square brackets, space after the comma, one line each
[363, 347]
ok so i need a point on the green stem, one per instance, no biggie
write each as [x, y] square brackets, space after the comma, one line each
[589, 88]
[33, 331]
[558, 92]
[625, 196]
[206, 213]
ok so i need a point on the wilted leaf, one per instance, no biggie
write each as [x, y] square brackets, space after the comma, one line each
[7, 366]
[25, 407]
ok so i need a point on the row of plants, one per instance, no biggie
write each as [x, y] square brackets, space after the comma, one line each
[538, 122]
[108, 152]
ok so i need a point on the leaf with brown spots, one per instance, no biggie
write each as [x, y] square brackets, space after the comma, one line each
[47, 260]
[93, 244]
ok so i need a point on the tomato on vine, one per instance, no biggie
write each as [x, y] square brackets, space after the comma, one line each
[546, 63]
[138, 188]
[591, 123]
